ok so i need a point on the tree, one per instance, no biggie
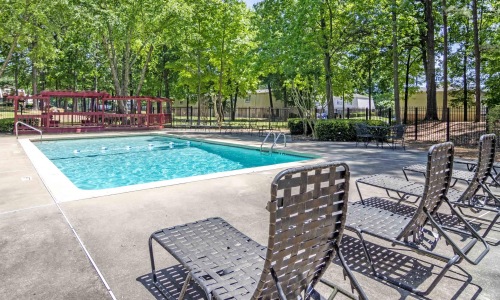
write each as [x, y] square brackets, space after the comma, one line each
[445, 60]
[428, 57]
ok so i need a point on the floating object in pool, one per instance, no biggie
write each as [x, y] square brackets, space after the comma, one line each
[171, 145]
[76, 151]
[104, 148]
[128, 147]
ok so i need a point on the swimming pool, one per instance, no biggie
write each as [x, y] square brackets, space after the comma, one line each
[104, 163]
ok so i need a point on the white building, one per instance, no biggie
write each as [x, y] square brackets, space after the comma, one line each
[358, 102]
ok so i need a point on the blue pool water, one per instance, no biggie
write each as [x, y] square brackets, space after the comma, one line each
[93, 164]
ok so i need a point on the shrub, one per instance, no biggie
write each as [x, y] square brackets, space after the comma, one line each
[494, 118]
[341, 130]
[296, 126]
[7, 125]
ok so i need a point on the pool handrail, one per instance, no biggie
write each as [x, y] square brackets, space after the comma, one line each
[29, 126]
[275, 140]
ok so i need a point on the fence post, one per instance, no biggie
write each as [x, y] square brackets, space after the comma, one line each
[416, 123]
[209, 115]
[390, 116]
[447, 124]
[348, 113]
[366, 114]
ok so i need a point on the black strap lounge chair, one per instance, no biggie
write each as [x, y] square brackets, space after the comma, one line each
[457, 175]
[410, 229]
[363, 134]
[468, 198]
[472, 164]
[307, 216]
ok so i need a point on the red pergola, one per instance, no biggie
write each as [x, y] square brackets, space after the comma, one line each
[69, 111]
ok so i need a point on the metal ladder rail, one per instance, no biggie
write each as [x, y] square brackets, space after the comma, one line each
[265, 139]
[29, 126]
[276, 138]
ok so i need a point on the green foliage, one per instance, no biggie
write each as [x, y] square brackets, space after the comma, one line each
[340, 130]
[296, 126]
[494, 116]
[7, 125]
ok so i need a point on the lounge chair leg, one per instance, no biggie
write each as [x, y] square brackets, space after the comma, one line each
[152, 259]
[406, 176]
[359, 192]
[353, 280]
[184, 287]
[365, 249]
[493, 222]
[153, 271]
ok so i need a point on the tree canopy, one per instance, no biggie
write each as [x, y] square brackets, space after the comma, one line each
[211, 52]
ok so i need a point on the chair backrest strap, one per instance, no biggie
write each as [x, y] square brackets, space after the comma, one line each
[486, 159]
[307, 216]
[437, 182]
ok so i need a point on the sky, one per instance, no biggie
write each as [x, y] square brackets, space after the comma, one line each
[250, 3]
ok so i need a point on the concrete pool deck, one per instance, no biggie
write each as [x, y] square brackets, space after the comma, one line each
[40, 240]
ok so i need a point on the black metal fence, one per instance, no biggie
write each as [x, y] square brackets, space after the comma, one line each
[453, 124]
[276, 117]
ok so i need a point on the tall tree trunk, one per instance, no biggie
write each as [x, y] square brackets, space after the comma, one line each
[445, 61]
[327, 64]
[144, 70]
[234, 103]
[395, 62]
[9, 55]
[16, 74]
[110, 50]
[34, 84]
[465, 83]
[407, 83]
[165, 72]
[198, 63]
[220, 113]
[370, 91]
[270, 98]
[431, 113]
[477, 62]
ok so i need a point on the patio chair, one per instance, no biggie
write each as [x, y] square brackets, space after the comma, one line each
[408, 230]
[307, 216]
[467, 198]
[472, 164]
[363, 134]
[397, 134]
[457, 175]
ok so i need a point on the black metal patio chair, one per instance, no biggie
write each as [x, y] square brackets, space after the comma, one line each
[363, 134]
[409, 230]
[397, 134]
[307, 216]
[469, 198]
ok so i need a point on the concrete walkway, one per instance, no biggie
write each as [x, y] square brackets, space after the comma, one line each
[42, 257]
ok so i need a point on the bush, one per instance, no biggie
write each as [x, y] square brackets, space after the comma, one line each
[296, 127]
[494, 118]
[7, 125]
[341, 130]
